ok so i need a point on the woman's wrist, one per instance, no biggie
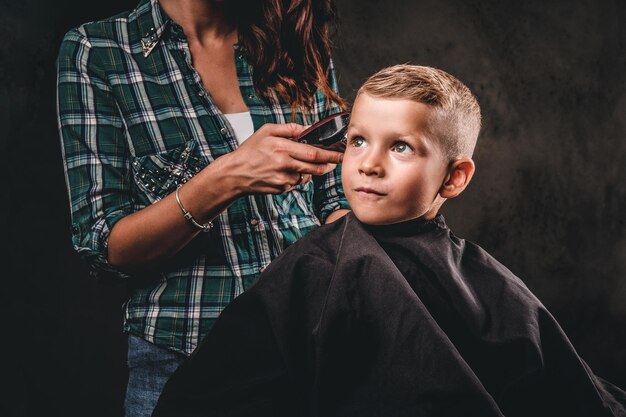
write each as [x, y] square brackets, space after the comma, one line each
[211, 191]
[231, 176]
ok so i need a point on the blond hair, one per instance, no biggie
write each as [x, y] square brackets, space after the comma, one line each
[456, 121]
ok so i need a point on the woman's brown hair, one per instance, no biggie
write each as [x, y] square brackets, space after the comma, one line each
[288, 43]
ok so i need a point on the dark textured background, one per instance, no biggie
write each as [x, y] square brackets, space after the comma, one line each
[548, 198]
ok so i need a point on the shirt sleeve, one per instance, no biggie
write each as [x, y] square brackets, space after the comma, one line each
[95, 152]
[329, 194]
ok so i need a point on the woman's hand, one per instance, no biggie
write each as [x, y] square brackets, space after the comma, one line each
[270, 162]
[267, 162]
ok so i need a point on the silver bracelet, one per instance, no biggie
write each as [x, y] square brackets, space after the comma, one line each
[187, 215]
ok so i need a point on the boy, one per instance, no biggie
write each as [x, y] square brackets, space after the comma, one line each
[386, 312]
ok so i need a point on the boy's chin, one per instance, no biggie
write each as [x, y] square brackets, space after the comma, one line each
[366, 218]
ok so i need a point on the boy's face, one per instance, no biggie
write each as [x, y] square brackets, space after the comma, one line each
[391, 170]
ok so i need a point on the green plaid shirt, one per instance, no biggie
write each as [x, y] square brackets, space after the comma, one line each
[136, 121]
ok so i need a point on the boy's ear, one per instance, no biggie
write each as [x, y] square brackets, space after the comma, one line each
[459, 175]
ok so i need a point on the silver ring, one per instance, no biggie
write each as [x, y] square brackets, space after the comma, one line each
[299, 179]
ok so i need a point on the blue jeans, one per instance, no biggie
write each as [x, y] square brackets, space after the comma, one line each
[149, 368]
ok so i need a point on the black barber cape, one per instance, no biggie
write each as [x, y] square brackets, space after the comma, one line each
[399, 320]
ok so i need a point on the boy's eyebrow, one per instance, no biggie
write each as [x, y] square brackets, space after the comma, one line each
[420, 137]
[421, 141]
[352, 130]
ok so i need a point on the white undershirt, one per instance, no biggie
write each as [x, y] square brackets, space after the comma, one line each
[242, 125]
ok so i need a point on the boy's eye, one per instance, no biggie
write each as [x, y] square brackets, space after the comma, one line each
[402, 147]
[357, 142]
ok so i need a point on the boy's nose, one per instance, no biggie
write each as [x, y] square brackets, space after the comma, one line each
[371, 165]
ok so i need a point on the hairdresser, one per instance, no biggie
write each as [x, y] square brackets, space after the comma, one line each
[176, 120]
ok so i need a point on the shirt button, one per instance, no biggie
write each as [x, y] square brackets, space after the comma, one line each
[254, 221]
[223, 131]
[251, 96]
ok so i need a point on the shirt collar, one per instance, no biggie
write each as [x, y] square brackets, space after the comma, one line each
[152, 23]
[405, 228]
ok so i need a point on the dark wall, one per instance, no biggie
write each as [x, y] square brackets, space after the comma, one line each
[548, 199]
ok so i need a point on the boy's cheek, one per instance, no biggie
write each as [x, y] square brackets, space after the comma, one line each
[347, 177]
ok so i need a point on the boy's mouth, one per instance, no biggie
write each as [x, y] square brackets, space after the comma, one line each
[366, 191]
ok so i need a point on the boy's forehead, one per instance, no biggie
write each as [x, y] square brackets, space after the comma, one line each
[368, 109]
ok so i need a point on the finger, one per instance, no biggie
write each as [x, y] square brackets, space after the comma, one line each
[306, 178]
[298, 179]
[308, 153]
[283, 130]
[308, 168]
